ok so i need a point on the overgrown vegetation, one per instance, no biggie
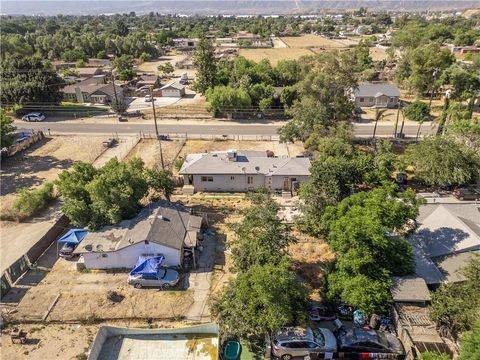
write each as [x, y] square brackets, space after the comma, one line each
[29, 202]
[6, 130]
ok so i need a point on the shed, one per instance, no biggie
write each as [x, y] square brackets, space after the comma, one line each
[412, 289]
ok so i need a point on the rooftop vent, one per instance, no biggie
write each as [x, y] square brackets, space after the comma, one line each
[232, 155]
[257, 168]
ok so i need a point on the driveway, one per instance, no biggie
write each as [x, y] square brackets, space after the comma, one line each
[138, 103]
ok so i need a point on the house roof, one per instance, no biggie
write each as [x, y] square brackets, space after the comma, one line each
[446, 232]
[410, 289]
[165, 223]
[376, 90]
[247, 162]
[87, 70]
[151, 79]
[90, 88]
[174, 85]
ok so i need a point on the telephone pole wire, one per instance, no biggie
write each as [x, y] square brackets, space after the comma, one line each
[156, 128]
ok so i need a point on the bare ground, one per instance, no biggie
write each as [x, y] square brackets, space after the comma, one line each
[149, 151]
[274, 55]
[198, 146]
[317, 41]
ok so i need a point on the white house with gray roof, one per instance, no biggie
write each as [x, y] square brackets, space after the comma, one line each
[381, 95]
[240, 171]
[173, 89]
[162, 228]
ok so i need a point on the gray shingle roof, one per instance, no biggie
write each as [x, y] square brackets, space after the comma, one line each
[248, 162]
[375, 90]
[410, 289]
[163, 222]
[174, 85]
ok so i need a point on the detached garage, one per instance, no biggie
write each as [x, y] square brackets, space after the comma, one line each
[163, 228]
[174, 89]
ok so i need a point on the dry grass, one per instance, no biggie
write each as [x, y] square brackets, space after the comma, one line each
[151, 66]
[149, 151]
[274, 55]
[310, 40]
[378, 54]
[199, 146]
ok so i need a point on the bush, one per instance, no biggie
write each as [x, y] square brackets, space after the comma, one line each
[417, 111]
[30, 201]
[178, 163]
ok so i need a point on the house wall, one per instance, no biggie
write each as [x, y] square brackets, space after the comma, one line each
[173, 92]
[277, 181]
[236, 182]
[127, 257]
[369, 101]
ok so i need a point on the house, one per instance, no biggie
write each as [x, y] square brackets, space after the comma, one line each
[447, 237]
[185, 44]
[162, 228]
[239, 171]
[173, 89]
[376, 95]
[466, 49]
[89, 91]
[246, 36]
[148, 80]
[87, 72]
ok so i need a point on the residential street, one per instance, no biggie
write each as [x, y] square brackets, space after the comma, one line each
[204, 128]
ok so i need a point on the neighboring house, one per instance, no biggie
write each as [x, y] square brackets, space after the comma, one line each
[246, 36]
[148, 80]
[173, 89]
[100, 62]
[162, 228]
[87, 72]
[466, 49]
[239, 171]
[447, 237]
[185, 44]
[376, 95]
[89, 91]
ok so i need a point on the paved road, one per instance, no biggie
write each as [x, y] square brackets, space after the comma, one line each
[255, 129]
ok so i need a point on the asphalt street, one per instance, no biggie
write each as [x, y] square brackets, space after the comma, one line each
[251, 129]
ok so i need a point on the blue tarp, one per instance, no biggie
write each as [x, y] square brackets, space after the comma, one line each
[147, 265]
[73, 236]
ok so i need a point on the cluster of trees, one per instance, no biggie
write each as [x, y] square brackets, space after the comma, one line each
[265, 293]
[6, 130]
[95, 197]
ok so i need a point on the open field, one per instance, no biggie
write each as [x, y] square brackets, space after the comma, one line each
[149, 151]
[311, 40]
[274, 55]
[151, 66]
[43, 161]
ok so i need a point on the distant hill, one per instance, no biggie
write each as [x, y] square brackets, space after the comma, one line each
[224, 7]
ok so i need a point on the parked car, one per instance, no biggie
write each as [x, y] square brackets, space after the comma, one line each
[361, 340]
[148, 98]
[321, 313]
[467, 193]
[165, 278]
[66, 251]
[290, 342]
[37, 116]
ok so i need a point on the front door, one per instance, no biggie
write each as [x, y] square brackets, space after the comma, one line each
[285, 183]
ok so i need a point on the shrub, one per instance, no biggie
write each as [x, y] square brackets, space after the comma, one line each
[178, 163]
[30, 201]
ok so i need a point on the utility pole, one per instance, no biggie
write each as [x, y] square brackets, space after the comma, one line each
[114, 88]
[156, 127]
[396, 122]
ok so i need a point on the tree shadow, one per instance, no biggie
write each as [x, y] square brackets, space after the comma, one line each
[441, 241]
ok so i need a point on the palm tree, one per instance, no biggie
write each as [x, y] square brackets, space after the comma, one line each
[379, 115]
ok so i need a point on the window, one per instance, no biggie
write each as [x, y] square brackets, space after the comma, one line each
[361, 99]
[146, 242]
[206, 179]
[249, 180]
[104, 255]
[232, 177]
[392, 99]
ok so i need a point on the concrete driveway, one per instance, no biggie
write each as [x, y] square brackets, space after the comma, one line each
[138, 103]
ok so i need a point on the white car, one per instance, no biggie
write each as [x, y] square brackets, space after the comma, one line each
[37, 116]
[148, 98]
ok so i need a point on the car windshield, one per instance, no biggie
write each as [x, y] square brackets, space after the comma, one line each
[162, 273]
[318, 337]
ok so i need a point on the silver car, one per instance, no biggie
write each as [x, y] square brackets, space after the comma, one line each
[291, 342]
[165, 278]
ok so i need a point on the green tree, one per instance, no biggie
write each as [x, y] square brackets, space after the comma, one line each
[442, 161]
[29, 202]
[260, 238]
[470, 344]
[166, 68]
[145, 56]
[261, 300]
[124, 66]
[160, 180]
[205, 64]
[7, 129]
[29, 80]
[433, 356]
[102, 54]
[227, 99]
[457, 306]
[119, 105]
[417, 111]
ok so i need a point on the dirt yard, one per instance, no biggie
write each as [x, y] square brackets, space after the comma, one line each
[62, 341]
[198, 146]
[83, 297]
[274, 55]
[44, 161]
[316, 41]
[378, 54]
[151, 66]
[149, 151]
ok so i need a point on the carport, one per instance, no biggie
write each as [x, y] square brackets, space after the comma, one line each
[72, 236]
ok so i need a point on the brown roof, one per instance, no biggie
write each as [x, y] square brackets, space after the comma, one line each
[92, 88]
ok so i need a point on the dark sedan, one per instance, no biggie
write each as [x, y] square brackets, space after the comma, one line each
[370, 341]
